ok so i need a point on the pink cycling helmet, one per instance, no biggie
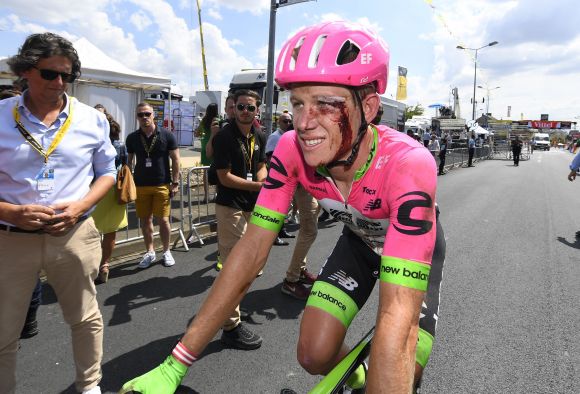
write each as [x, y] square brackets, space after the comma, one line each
[314, 55]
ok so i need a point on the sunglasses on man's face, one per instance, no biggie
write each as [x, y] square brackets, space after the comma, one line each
[287, 121]
[144, 114]
[51, 75]
[249, 107]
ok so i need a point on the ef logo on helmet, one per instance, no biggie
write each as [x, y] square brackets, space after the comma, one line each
[366, 58]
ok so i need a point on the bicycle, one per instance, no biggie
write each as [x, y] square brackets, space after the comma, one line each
[335, 381]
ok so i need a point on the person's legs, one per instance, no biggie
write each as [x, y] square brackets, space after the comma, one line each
[441, 163]
[107, 247]
[308, 213]
[321, 341]
[231, 225]
[144, 210]
[71, 265]
[342, 288]
[30, 328]
[161, 210]
[164, 232]
[19, 267]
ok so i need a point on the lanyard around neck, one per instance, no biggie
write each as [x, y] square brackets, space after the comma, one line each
[244, 145]
[149, 148]
[33, 142]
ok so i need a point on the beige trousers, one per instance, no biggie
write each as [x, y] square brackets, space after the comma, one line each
[231, 225]
[308, 215]
[71, 263]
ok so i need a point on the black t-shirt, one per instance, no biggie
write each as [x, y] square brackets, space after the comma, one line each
[241, 155]
[160, 172]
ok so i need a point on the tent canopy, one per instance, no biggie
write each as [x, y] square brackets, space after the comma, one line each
[97, 68]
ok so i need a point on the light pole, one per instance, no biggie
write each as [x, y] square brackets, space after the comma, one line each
[488, 90]
[274, 5]
[475, 73]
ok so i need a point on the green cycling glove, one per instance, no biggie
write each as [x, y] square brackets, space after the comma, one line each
[162, 380]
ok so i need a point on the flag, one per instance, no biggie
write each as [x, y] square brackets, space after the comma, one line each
[402, 84]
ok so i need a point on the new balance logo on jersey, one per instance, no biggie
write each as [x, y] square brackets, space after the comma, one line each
[329, 298]
[368, 226]
[344, 217]
[373, 204]
[345, 281]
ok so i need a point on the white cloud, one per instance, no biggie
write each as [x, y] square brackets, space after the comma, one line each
[235, 42]
[54, 12]
[213, 13]
[527, 63]
[256, 7]
[14, 23]
[140, 20]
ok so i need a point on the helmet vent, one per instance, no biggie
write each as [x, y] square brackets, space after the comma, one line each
[348, 53]
[315, 52]
[295, 53]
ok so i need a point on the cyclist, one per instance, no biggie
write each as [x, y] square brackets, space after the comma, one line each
[379, 182]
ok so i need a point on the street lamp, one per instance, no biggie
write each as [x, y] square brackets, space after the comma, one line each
[488, 89]
[475, 73]
[274, 5]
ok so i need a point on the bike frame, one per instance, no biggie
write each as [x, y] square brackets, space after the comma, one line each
[336, 379]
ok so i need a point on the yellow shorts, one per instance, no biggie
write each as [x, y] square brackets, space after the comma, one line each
[152, 200]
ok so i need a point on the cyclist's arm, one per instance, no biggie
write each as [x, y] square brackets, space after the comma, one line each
[405, 266]
[392, 361]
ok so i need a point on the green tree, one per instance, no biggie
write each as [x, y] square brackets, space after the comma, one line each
[413, 110]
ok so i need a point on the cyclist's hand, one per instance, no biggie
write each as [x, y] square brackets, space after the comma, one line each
[162, 380]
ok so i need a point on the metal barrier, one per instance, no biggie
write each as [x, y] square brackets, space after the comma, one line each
[200, 201]
[133, 233]
[504, 152]
[458, 157]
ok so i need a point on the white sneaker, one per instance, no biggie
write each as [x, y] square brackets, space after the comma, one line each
[147, 260]
[94, 390]
[168, 259]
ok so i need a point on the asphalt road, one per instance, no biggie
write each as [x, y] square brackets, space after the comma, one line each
[508, 315]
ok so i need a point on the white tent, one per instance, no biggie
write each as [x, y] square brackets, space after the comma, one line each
[106, 81]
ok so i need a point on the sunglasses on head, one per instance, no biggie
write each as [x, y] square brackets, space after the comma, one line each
[249, 107]
[144, 114]
[51, 75]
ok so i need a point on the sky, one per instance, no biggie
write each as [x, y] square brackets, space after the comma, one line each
[534, 69]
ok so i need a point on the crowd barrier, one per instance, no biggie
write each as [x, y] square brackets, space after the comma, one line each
[189, 210]
[458, 157]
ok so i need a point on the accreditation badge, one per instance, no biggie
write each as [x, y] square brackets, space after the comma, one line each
[249, 176]
[45, 179]
[148, 162]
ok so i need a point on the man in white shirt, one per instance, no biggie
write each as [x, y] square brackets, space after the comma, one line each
[57, 163]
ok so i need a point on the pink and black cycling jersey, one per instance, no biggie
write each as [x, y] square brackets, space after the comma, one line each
[391, 204]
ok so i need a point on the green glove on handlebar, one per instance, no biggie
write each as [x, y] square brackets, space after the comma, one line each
[162, 380]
